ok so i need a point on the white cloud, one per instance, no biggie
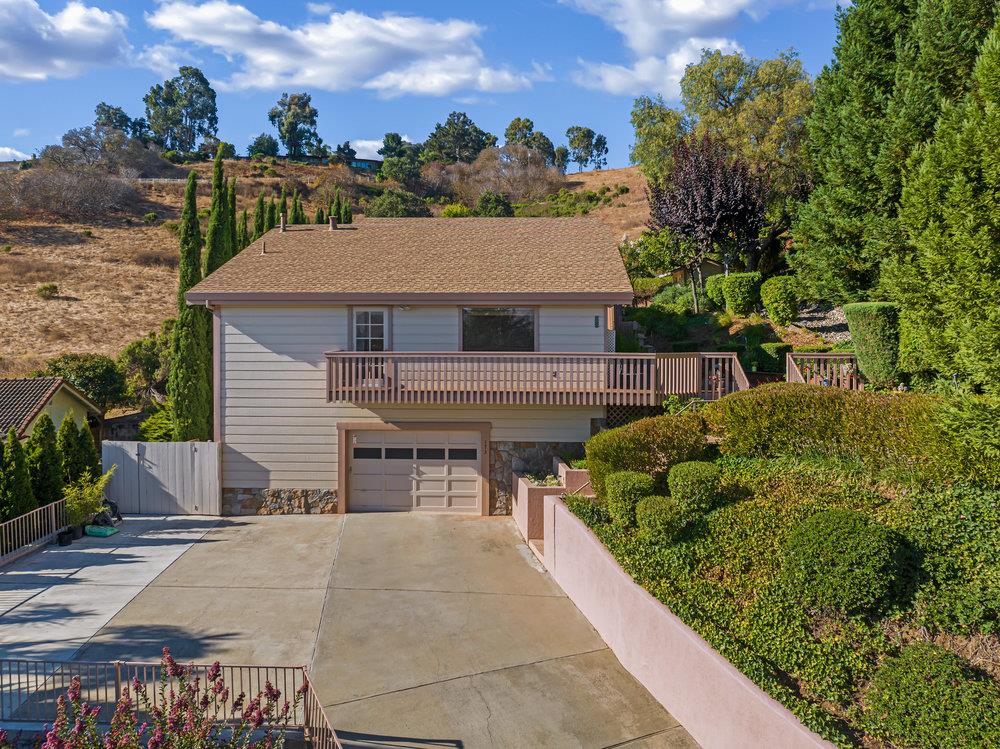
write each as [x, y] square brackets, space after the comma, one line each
[35, 45]
[164, 59]
[660, 74]
[12, 154]
[367, 148]
[663, 36]
[319, 9]
[391, 54]
[22, 132]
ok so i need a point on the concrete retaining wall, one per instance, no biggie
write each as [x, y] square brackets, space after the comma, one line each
[719, 706]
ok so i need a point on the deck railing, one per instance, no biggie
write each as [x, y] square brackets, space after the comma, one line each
[28, 532]
[569, 379]
[29, 690]
[827, 369]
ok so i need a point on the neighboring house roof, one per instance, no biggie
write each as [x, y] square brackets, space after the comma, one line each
[22, 399]
[429, 260]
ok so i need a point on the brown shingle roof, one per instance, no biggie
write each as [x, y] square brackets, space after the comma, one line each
[22, 399]
[427, 258]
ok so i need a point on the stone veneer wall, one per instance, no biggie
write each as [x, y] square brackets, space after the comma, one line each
[279, 501]
[506, 458]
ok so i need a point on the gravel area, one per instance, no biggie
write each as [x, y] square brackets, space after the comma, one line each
[825, 320]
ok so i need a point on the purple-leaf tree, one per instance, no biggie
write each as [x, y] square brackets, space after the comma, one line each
[712, 199]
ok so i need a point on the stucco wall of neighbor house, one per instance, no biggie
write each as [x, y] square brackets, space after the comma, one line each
[58, 406]
[279, 431]
[719, 706]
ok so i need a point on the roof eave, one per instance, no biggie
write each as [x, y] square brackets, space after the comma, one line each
[213, 298]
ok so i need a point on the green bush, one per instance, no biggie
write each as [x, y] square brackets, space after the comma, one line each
[660, 518]
[647, 288]
[927, 697]
[494, 205]
[396, 204]
[819, 349]
[780, 299]
[624, 489]
[714, 290]
[46, 291]
[694, 485]
[651, 446]
[841, 560]
[159, 425]
[894, 432]
[626, 343]
[150, 217]
[874, 330]
[742, 292]
[456, 210]
[771, 356]
[667, 322]
[98, 376]
[676, 295]
[85, 496]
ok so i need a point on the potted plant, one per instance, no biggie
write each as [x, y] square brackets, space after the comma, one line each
[84, 499]
[65, 537]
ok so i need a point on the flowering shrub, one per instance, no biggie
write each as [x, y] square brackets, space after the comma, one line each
[183, 713]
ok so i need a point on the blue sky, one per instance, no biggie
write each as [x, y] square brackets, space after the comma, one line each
[374, 67]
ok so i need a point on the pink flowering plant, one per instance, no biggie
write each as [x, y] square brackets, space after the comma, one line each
[184, 713]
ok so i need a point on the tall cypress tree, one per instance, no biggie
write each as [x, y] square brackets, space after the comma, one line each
[320, 216]
[242, 227]
[89, 455]
[217, 238]
[44, 461]
[189, 233]
[234, 245]
[19, 497]
[68, 444]
[283, 205]
[346, 215]
[272, 214]
[259, 217]
[337, 209]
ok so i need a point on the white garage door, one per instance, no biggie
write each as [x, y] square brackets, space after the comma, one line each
[425, 471]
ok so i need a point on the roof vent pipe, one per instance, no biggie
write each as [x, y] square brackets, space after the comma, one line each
[284, 221]
[333, 223]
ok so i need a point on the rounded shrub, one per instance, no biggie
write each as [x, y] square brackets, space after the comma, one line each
[874, 330]
[650, 446]
[694, 485]
[660, 518]
[928, 697]
[714, 292]
[624, 490]
[772, 356]
[647, 288]
[780, 299]
[456, 210]
[742, 292]
[842, 560]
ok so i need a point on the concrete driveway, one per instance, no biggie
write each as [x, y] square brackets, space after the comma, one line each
[421, 630]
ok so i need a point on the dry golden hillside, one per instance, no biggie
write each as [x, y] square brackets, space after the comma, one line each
[116, 277]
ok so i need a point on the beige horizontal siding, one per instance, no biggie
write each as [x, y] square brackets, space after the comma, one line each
[278, 429]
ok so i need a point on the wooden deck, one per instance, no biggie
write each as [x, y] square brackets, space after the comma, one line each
[571, 379]
[829, 370]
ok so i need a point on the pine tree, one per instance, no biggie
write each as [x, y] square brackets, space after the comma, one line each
[68, 443]
[259, 217]
[272, 215]
[320, 216]
[89, 454]
[189, 385]
[233, 216]
[44, 461]
[20, 498]
[948, 282]
[242, 227]
[189, 270]
[217, 238]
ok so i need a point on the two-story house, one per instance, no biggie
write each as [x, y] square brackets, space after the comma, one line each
[410, 364]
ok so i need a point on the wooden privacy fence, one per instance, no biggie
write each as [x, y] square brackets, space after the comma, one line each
[530, 378]
[29, 690]
[26, 533]
[829, 369]
[164, 478]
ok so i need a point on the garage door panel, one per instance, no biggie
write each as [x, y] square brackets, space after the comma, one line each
[415, 470]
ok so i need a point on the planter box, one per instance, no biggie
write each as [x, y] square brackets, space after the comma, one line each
[528, 506]
[719, 706]
[576, 480]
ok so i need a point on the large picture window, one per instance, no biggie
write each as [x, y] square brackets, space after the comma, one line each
[498, 329]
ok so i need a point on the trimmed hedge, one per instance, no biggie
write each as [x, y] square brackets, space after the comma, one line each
[647, 288]
[772, 356]
[841, 560]
[660, 518]
[874, 330]
[742, 292]
[714, 290]
[624, 490]
[694, 485]
[927, 697]
[652, 446]
[780, 299]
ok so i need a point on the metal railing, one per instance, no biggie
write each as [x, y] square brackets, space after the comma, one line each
[26, 533]
[550, 379]
[29, 691]
[827, 369]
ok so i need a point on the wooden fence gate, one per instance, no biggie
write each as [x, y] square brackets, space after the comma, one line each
[164, 478]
